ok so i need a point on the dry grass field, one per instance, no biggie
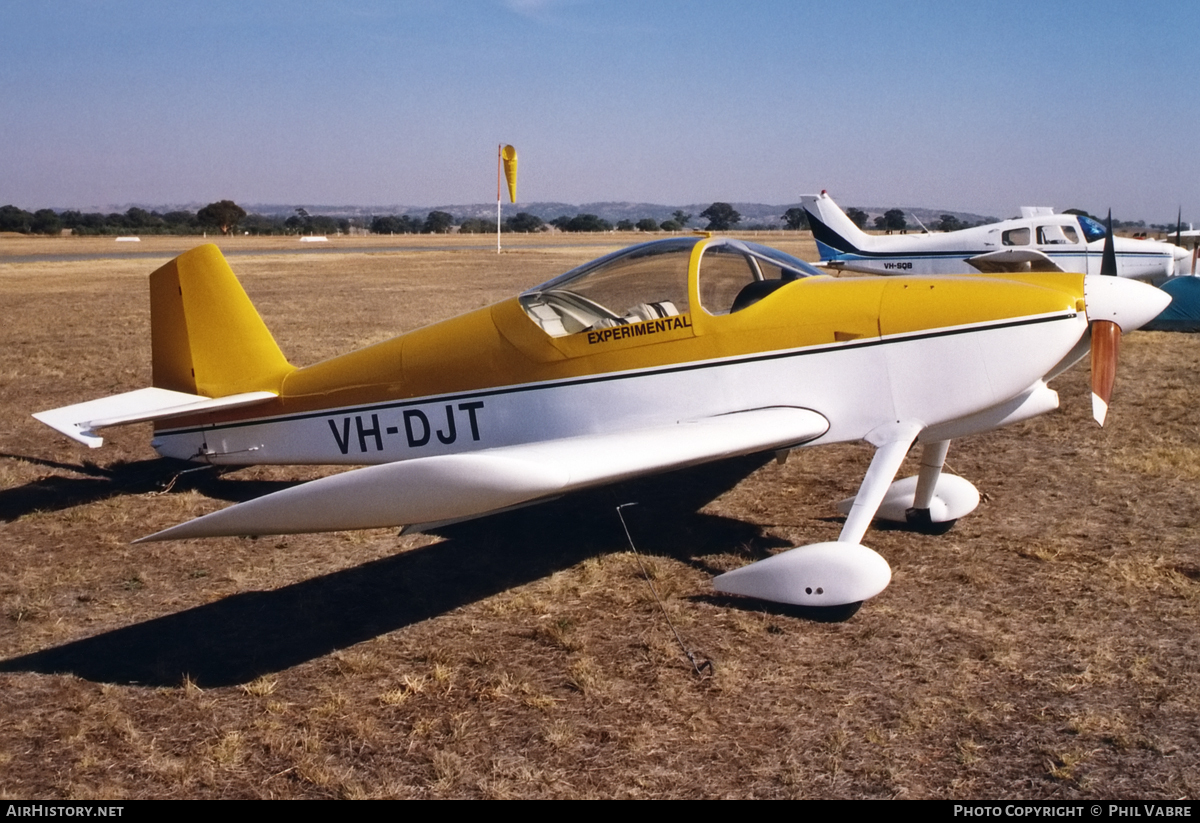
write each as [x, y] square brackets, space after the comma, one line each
[1046, 647]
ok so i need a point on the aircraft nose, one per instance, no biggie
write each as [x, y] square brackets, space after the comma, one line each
[1127, 303]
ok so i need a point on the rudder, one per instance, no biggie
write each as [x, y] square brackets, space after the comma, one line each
[207, 337]
[833, 230]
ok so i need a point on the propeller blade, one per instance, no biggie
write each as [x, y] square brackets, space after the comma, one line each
[1106, 342]
[1179, 226]
[1115, 305]
[1108, 259]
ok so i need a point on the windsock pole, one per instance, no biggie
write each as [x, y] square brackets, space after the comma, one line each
[499, 172]
[506, 164]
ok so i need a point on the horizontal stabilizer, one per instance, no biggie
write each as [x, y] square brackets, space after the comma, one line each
[462, 486]
[1013, 260]
[80, 421]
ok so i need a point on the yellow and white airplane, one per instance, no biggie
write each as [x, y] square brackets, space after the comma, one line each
[663, 355]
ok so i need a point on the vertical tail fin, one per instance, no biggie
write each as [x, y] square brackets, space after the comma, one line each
[834, 232]
[207, 337]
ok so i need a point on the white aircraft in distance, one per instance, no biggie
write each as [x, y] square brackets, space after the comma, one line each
[1189, 240]
[663, 355]
[1039, 241]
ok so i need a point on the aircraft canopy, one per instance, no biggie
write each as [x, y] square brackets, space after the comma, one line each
[651, 281]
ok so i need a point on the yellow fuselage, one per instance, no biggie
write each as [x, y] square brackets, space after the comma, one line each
[849, 334]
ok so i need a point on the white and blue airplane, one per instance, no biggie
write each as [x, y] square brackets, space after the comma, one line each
[1038, 241]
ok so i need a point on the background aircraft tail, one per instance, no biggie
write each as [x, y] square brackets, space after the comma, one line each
[834, 232]
[207, 337]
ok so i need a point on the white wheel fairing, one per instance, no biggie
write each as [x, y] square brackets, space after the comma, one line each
[823, 574]
[953, 497]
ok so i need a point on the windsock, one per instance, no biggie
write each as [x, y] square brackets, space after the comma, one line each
[508, 156]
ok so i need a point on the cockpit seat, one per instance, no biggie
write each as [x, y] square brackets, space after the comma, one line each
[639, 313]
[651, 311]
[754, 291]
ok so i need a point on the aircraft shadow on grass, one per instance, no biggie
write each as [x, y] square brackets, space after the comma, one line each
[93, 483]
[239, 638]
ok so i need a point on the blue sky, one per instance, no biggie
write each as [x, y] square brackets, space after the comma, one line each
[975, 106]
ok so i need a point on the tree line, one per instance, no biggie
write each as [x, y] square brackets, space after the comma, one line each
[226, 217]
[223, 216]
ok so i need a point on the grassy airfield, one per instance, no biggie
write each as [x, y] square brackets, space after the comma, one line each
[1047, 646]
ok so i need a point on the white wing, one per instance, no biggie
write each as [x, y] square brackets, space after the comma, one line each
[1014, 260]
[80, 421]
[460, 486]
